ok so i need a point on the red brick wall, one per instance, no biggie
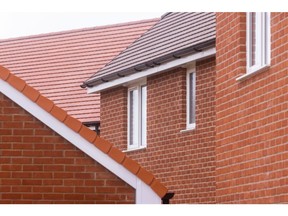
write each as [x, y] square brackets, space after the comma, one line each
[114, 116]
[39, 166]
[183, 161]
[252, 116]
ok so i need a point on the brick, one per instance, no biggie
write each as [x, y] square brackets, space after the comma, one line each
[170, 153]
[39, 166]
[244, 105]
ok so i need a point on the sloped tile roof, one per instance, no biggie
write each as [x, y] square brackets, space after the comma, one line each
[57, 63]
[175, 35]
[86, 133]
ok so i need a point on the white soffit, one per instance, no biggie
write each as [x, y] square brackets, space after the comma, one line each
[169, 65]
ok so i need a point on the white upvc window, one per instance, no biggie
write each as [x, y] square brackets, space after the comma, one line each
[258, 41]
[137, 117]
[191, 99]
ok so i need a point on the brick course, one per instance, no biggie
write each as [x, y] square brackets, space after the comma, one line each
[39, 166]
[183, 161]
[252, 116]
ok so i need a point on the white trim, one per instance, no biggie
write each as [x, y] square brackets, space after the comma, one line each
[82, 144]
[190, 70]
[248, 75]
[139, 144]
[263, 49]
[135, 149]
[151, 71]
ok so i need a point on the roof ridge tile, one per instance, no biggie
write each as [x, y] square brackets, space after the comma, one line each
[75, 125]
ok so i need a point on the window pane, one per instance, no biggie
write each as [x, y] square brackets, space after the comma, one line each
[192, 98]
[133, 121]
[143, 115]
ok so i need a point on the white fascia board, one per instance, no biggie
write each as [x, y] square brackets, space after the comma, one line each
[144, 195]
[81, 143]
[154, 70]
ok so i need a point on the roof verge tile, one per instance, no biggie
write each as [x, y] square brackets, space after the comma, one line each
[45, 103]
[88, 134]
[145, 176]
[103, 145]
[4, 73]
[159, 188]
[131, 165]
[16, 82]
[31, 93]
[59, 113]
[73, 123]
[116, 155]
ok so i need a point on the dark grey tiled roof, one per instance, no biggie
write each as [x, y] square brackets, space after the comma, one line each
[175, 32]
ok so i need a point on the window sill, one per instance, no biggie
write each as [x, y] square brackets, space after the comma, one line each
[251, 74]
[135, 149]
[191, 128]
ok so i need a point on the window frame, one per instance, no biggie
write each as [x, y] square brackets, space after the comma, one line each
[263, 41]
[189, 125]
[139, 145]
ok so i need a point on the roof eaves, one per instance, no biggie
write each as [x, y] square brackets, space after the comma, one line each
[149, 64]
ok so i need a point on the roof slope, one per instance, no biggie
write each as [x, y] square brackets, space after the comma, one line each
[173, 33]
[57, 63]
[77, 127]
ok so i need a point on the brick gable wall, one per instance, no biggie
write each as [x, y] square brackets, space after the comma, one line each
[39, 166]
[183, 161]
[252, 116]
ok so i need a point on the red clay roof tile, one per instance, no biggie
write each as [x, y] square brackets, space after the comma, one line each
[73, 123]
[145, 176]
[16, 82]
[103, 145]
[87, 134]
[116, 155]
[59, 113]
[57, 63]
[159, 188]
[131, 165]
[45, 103]
[31, 93]
[4, 73]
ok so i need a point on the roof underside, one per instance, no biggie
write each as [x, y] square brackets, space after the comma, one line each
[174, 36]
[57, 63]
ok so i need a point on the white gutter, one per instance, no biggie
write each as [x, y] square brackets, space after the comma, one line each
[144, 194]
[154, 70]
